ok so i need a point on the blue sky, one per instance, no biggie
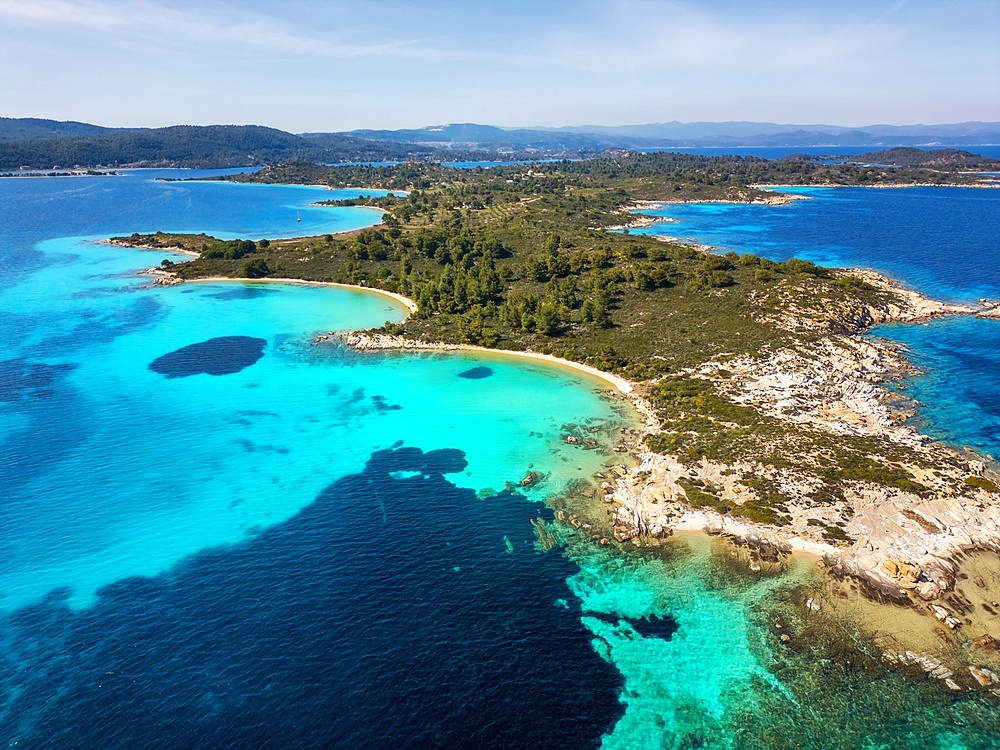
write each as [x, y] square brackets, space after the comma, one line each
[322, 65]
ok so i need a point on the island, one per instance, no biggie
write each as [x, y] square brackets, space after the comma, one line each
[764, 416]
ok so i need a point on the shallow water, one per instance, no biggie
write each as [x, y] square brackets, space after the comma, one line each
[219, 533]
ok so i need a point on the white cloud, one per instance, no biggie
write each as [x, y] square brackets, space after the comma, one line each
[145, 22]
[547, 62]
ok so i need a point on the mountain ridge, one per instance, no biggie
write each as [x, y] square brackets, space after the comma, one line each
[49, 144]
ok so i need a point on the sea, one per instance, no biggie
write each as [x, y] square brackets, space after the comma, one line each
[220, 531]
[942, 241]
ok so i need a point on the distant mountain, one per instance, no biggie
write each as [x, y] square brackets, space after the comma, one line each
[196, 146]
[28, 128]
[469, 136]
[44, 144]
[679, 131]
[690, 135]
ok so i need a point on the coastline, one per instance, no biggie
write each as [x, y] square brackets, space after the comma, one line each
[906, 549]
[639, 220]
[887, 186]
[405, 302]
[386, 342]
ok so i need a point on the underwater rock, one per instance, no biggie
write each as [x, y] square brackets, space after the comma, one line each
[223, 355]
[530, 479]
[476, 373]
[21, 379]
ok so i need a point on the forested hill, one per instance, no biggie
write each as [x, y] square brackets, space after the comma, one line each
[946, 158]
[29, 128]
[195, 146]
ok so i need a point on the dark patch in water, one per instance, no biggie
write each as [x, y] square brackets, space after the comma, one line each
[396, 624]
[21, 379]
[441, 461]
[476, 373]
[99, 326]
[646, 627]
[253, 292]
[655, 627]
[219, 356]
[381, 406]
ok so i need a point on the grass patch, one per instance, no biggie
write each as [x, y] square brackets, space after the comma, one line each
[981, 483]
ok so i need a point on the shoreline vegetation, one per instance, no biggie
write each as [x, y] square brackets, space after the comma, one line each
[766, 417]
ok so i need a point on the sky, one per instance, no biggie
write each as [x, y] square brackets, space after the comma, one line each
[328, 65]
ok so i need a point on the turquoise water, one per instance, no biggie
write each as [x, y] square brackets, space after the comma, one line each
[218, 533]
[940, 241]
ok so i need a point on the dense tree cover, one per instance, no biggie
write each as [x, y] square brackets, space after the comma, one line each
[25, 128]
[521, 256]
[194, 146]
[946, 159]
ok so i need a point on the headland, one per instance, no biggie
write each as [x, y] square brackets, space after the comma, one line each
[767, 418]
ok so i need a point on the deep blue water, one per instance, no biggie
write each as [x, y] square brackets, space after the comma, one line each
[959, 386]
[407, 626]
[944, 242]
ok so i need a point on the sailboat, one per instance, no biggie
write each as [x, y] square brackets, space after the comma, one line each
[297, 217]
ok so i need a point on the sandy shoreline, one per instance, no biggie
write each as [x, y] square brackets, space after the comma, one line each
[405, 302]
[387, 342]
[841, 391]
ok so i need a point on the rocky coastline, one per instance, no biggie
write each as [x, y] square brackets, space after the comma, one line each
[902, 547]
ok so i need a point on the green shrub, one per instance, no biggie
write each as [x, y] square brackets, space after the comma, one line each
[981, 483]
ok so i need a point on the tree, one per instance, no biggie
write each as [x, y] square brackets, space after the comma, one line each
[548, 319]
[254, 269]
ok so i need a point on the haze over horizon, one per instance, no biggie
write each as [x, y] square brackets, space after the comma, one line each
[307, 66]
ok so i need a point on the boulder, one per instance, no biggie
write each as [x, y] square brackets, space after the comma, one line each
[943, 615]
[984, 676]
[985, 642]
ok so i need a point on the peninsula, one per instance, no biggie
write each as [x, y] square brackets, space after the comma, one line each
[767, 417]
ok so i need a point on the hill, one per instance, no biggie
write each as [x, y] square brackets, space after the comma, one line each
[44, 144]
[690, 135]
[195, 146]
[947, 158]
[29, 128]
